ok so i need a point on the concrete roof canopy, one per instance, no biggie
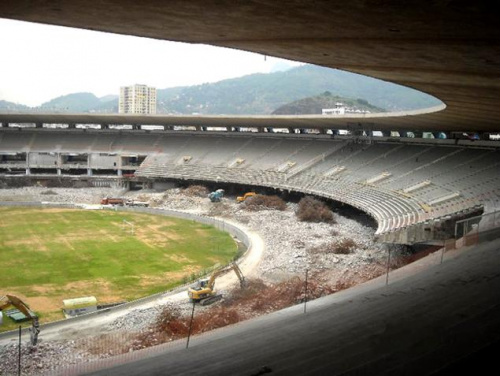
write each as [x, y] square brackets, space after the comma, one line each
[446, 48]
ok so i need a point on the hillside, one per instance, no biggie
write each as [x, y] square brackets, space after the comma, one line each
[264, 93]
[6, 106]
[315, 105]
[256, 94]
[81, 102]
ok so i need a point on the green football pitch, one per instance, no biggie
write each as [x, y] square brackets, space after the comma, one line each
[51, 254]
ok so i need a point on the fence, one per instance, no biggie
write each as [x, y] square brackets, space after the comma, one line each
[120, 337]
[153, 330]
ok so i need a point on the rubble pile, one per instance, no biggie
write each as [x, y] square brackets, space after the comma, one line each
[41, 359]
[291, 248]
[255, 299]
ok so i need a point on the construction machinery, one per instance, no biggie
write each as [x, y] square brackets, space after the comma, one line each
[11, 300]
[123, 202]
[216, 196]
[113, 201]
[245, 196]
[204, 293]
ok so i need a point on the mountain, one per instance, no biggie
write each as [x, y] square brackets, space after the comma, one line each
[13, 107]
[263, 93]
[315, 105]
[81, 102]
[255, 94]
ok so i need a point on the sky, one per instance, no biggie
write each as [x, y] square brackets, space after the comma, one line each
[41, 62]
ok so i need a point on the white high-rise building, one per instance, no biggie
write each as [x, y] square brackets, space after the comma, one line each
[137, 99]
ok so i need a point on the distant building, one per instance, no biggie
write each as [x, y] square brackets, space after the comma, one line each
[338, 110]
[137, 99]
[341, 109]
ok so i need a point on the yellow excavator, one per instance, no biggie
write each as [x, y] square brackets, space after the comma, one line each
[203, 292]
[245, 196]
[11, 300]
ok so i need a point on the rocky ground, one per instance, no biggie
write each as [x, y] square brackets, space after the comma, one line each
[291, 247]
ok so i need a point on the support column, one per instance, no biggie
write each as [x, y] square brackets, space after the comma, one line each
[28, 170]
[484, 136]
[89, 166]
[418, 134]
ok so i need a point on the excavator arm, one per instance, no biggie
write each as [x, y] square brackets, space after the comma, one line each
[14, 301]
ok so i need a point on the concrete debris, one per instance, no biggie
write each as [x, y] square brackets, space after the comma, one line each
[286, 256]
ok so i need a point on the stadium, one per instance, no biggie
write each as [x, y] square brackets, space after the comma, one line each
[435, 191]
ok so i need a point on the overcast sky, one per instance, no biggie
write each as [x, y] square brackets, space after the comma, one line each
[41, 62]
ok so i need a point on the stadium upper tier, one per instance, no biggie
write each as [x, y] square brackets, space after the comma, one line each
[398, 182]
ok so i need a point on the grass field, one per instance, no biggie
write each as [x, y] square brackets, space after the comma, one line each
[51, 254]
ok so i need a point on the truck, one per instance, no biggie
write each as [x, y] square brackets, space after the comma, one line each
[113, 201]
[123, 202]
[142, 204]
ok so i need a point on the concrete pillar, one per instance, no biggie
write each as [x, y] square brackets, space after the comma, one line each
[59, 172]
[28, 171]
[403, 133]
[89, 172]
[119, 172]
[418, 134]
[484, 136]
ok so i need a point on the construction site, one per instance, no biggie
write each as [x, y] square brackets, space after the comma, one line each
[276, 281]
[343, 229]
